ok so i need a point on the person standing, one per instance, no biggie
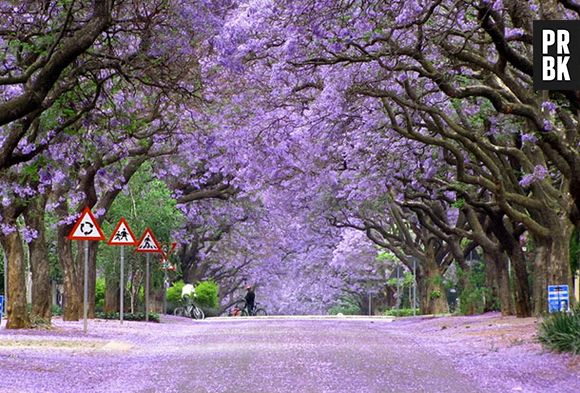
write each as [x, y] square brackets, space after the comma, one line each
[250, 299]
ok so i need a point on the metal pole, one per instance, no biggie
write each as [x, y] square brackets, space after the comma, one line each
[86, 288]
[122, 284]
[370, 304]
[414, 286]
[147, 288]
[398, 288]
[165, 292]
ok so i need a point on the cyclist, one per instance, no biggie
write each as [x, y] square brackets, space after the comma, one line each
[187, 294]
[250, 299]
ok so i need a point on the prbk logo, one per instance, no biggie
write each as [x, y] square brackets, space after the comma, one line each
[556, 55]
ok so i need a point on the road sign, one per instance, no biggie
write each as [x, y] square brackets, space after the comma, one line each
[166, 265]
[86, 228]
[148, 243]
[558, 298]
[1, 306]
[167, 249]
[122, 235]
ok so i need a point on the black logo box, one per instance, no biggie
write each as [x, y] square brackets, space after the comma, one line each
[573, 27]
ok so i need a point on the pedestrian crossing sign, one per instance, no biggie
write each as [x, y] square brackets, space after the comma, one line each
[148, 243]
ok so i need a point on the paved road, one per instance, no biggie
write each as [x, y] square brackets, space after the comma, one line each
[303, 356]
[246, 356]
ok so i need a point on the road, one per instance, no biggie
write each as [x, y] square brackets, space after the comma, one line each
[242, 356]
[312, 356]
[287, 355]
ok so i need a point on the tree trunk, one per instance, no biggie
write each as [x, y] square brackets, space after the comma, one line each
[72, 301]
[72, 296]
[432, 294]
[190, 276]
[112, 293]
[491, 283]
[514, 252]
[551, 266]
[16, 307]
[505, 293]
[498, 262]
[39, 264]
[93, 247]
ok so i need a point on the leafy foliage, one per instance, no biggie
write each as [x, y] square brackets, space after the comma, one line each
[174, 292]
[100, 294]
[474, 296]
[403, 312]
[207, 294]
[561, 332]
[128, 317]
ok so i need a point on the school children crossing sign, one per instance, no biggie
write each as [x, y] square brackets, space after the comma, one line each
[148, 243]
[122, 235]
[86, 228]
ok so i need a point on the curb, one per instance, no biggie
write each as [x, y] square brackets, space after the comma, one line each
[302, 318]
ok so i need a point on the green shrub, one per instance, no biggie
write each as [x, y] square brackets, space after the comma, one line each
[345, 309]
[174, 292]
[471, 301]
[211, 312]
[475, 297]
[100, 287]
[561, 332]
[206, 293]
[403, 312]
[56, 310]
[128, 317]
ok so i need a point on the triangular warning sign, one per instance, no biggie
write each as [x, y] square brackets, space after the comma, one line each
[167, 249]
[148, 243]
[86, 228]
[122, 235]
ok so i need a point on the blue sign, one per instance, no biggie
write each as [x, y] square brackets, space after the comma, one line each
[558, 298]
[1, 306]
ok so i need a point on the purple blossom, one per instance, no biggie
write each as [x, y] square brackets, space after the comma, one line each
[540, 173]
[548, 125]
[452, 216]
[7, 229]
[29, 234]
[549, 106]
[529, 138]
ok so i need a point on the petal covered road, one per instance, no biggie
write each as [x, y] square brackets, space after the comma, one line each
[180, 355]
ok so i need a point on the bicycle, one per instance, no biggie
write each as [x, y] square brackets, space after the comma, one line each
[190, 310]
[256, 312]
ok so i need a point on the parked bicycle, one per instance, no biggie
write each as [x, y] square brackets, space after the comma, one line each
[190, 310]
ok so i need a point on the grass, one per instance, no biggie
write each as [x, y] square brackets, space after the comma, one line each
[560, 332]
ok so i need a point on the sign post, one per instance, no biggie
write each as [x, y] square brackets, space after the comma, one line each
[122, 236]
[5, 278]
[1, 307]
[414, 286]
[558, 298]
[148, 244]
[147, 258]
[86, 228]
